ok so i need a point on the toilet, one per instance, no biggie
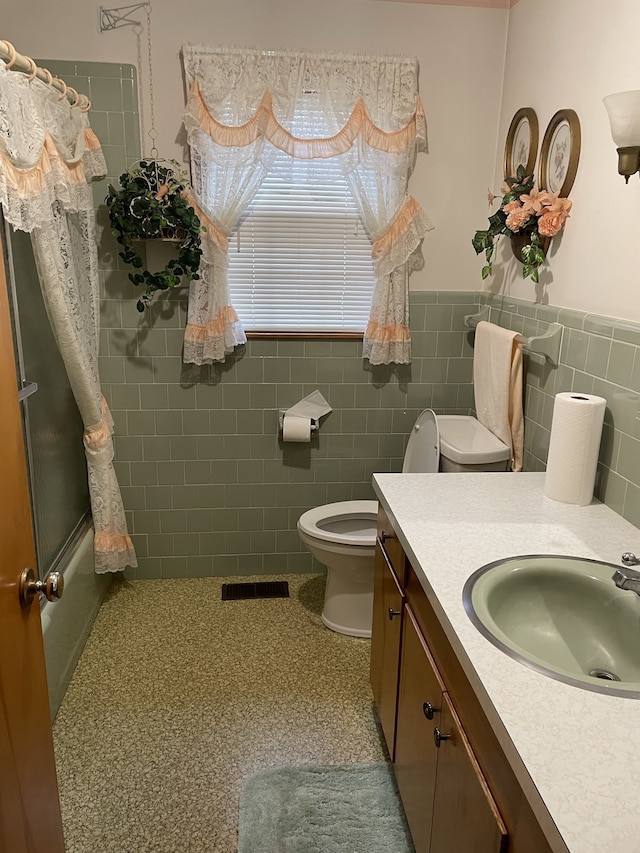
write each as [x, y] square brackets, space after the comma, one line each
[342, 535]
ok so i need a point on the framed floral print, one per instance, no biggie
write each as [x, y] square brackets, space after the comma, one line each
[560, 153]
[521, 146]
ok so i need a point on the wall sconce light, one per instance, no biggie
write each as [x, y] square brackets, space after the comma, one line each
[624, 117]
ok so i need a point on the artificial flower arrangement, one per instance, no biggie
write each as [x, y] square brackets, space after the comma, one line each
[536, 215]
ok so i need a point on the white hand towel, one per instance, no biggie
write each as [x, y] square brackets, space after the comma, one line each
[497, 384]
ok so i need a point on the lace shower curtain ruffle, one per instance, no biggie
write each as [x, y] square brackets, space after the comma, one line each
[242, 107]
[48, 153]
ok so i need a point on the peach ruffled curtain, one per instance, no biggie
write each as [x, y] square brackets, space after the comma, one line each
[48, 154]
[242, 109]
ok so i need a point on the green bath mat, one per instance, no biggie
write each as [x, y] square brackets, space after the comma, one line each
[351, 808]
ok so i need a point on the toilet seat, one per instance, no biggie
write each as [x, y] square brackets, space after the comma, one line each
[422, 455]
[350, 523]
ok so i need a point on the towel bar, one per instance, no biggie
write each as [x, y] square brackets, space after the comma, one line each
[547, 345]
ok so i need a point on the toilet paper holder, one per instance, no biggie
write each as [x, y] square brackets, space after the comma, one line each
[281, 414]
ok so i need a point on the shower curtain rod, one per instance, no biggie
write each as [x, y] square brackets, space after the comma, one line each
[17, 62]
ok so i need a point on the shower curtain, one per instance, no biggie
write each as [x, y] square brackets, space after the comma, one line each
[48, 155]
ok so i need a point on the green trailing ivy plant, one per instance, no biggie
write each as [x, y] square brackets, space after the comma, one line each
[535, 215]
[150, 204]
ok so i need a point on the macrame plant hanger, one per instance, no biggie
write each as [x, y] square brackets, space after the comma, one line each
[152, 203]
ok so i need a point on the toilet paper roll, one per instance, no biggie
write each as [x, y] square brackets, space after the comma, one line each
[576, 430]
[296, 428]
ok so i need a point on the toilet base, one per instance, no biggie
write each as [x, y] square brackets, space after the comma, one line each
[348, 601]
[348, 630]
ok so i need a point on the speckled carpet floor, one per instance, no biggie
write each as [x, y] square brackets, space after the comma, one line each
[179, 697]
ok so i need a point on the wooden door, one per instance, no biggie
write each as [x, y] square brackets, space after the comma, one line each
[386, 633]
[419, 705]
[465, 816]
[29, 806]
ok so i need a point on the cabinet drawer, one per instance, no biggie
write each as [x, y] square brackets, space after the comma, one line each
[391, 546]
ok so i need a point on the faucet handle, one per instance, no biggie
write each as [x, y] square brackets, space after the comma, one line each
[629, 559]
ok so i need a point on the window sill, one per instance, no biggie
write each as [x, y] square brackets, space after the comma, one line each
[335, 336]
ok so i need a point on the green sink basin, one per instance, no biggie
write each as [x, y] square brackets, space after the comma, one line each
[562, 616]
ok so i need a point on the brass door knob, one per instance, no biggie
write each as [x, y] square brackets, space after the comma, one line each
[51, 587]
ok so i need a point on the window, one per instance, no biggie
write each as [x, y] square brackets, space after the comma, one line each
[301, 261]
[281, 142]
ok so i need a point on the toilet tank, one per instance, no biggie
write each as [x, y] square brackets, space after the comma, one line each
[466, 445]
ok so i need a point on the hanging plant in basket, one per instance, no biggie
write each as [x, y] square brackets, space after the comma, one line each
[150, 205]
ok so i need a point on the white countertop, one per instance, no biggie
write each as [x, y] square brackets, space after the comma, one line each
[579, 749]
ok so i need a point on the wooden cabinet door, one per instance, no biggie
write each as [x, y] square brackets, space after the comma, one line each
[419, 705]
[386, 633]
[465, 816]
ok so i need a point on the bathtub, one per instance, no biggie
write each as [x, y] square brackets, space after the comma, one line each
[67, 623]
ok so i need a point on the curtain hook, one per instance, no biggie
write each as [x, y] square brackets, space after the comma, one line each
[13, 55]
[49, 75]
[34, 69]
[76, 96]
[85, 107]
[64, 87]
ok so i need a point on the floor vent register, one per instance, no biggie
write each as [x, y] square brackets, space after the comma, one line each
[261, 589]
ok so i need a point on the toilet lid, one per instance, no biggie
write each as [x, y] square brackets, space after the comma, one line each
[422, 455]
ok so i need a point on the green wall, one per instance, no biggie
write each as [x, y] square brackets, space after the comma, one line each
[599, 355]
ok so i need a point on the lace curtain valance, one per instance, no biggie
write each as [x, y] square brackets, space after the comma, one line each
[246, 105]
[48, 153]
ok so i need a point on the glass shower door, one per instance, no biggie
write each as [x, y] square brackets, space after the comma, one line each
[52, 423]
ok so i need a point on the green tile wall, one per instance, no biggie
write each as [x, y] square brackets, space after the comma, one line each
[599, 355]
[208, 486]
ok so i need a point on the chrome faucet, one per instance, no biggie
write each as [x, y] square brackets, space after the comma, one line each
[628, 578]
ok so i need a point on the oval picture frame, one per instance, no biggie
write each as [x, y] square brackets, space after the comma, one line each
[521, 146]
[560, 153]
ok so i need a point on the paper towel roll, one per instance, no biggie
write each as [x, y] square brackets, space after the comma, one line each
[576, 430]
[296, 428]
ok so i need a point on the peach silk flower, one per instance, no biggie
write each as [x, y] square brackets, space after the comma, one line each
[554, 215]
[162, 191]
[512, 207]
[550, 223]
[517, 219]
[558, 205]
[534, 201]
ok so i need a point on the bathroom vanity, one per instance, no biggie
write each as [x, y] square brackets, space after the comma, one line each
[490, 755]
